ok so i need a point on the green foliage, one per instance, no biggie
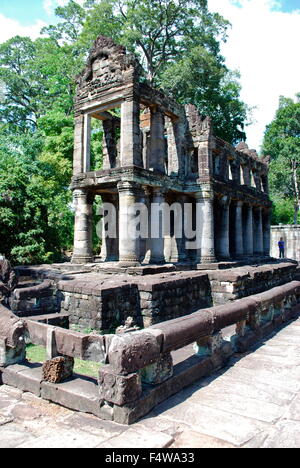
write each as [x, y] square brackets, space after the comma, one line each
[283, 212]
[178, 43]
[282, 143]
[35, 216]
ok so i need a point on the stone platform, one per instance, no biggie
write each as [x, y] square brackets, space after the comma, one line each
[97, 298]
[253, 403]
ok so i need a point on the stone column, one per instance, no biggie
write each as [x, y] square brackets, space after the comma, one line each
[205, 226]
[176, 135]
[78, 145]
[248, 232]
[223, 238]
[157, 141]
[238, 235]
[110, 238]
[129, 239]
[83, 249]
[87, 144]
[131, 154]
[181, 247]
[267, 232]
[157, 226]
[258, 235]
[145, 244]
[110, 152]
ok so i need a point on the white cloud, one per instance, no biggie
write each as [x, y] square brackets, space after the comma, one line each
[263, 45]
[50, 5]
[10, 28]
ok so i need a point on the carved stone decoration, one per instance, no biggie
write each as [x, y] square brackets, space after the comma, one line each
[114, 60]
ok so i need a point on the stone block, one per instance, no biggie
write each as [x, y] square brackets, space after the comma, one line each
[209, 345]
[131, 352]
[58, 369]
[25, 377]
[230, 314]
[159, 371]
[118, 389]
[10, 356]
[87, 347]
[183, 331]
[242, 344]
[78, 394]
[37, 332]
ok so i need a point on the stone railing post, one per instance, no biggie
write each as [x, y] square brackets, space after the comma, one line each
[214, 347]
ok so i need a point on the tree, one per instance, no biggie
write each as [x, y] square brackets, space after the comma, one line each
[282, 142]
[36, 220]
[20, 82]
[73, 16]
[178, 43]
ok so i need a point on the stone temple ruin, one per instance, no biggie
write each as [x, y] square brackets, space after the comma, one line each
[156, 311]
[158, 152]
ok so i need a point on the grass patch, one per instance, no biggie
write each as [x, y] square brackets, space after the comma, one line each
[36, 353]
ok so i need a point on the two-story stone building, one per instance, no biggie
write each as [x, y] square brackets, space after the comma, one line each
[156, 152]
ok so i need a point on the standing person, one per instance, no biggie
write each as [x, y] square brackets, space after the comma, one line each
[281, 247]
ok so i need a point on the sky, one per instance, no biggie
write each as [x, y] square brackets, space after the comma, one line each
[263, 45]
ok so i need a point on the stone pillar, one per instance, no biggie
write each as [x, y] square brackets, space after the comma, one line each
[78, 145]
[247, 176]
[189, 228]
[175, 132]
[131, 154]
[267, 232]
[145, 244]
[110, 153]
[157, 227]
[205, 226]
[238, 235]
[157, 141]
[87, 144]
[248, 232]
[83, 249]
[180, 250]
[223, 238]
[110, 238]
[258, 233]
[129, 238]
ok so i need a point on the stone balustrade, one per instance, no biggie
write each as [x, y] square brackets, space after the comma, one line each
[12, 343]
[138, 370]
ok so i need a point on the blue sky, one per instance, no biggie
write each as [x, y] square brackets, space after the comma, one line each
[290, 5]
[26, 12]
[263, 45]
[279, 5]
